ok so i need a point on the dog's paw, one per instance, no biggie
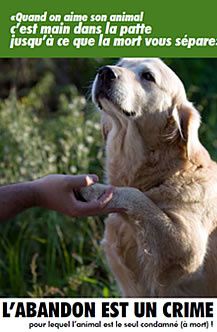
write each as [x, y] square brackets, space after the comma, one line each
[130, 200]
[92, 192]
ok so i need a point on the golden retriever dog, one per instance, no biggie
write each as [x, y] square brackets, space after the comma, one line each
[165, 241]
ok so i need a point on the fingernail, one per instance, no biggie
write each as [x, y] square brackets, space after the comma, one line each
[93, 177]
[108, 197]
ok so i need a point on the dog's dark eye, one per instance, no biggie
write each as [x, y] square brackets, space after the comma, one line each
[147, 76]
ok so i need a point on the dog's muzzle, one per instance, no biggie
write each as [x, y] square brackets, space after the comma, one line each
[105, 78]
[105, 85]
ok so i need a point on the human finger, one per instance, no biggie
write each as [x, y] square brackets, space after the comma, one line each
[84, 180]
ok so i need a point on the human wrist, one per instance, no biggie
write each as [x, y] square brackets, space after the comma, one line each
[36, 192]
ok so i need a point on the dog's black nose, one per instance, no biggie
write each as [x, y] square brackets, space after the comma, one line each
[106, 73]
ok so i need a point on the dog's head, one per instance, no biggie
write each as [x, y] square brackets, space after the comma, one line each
[135, 87]
[149, 93]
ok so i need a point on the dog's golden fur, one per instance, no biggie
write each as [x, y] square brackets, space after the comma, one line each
[166, 242]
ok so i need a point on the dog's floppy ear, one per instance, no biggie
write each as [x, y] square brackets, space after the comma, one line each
[189, 123]
[187, 119]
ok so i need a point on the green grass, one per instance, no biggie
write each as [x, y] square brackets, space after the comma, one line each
[43, 253]
[46, 254]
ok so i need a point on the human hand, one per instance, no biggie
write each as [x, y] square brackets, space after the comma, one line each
[58, 192]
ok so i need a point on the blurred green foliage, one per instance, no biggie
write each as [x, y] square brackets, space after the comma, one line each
[48, 125]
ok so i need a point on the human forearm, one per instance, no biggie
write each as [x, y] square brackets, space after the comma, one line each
[15, 198]
[54, 192]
